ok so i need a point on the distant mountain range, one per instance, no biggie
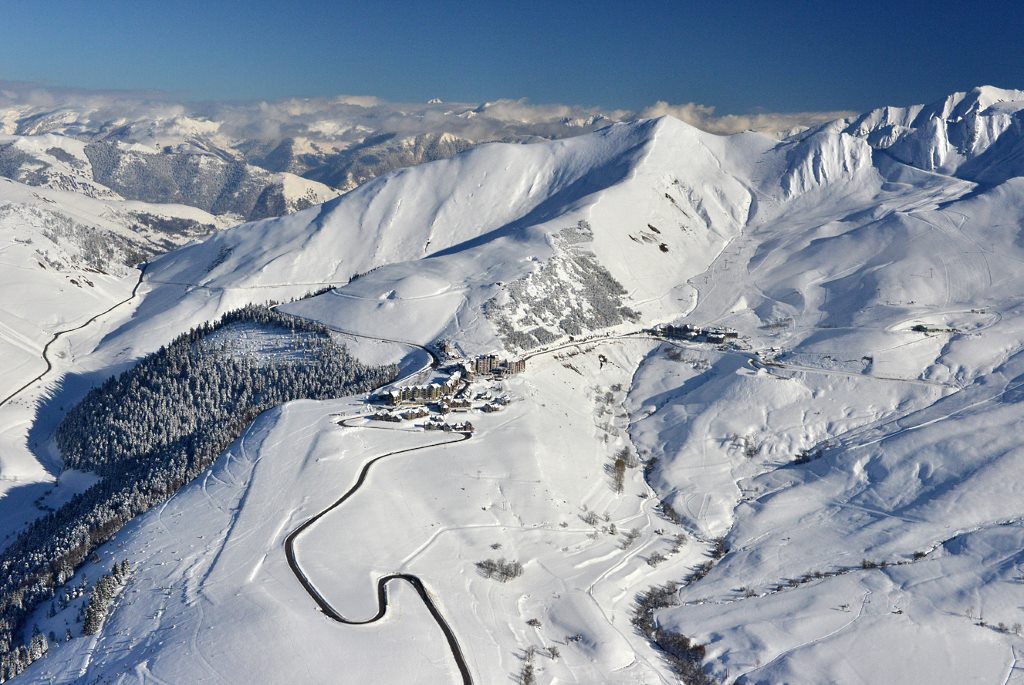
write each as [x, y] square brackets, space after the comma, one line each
[121, 171]
[246, 160]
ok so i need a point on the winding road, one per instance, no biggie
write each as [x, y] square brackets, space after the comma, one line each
[323, 605]
[382, 583]
[46, 348]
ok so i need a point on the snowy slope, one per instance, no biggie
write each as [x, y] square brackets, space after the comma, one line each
[838, 485]
[975, 135]
[495, 215]
[116, 170]
[65, 254]
[65, 259]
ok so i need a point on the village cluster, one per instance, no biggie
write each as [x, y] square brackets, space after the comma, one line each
[450, 392]
[711, 334]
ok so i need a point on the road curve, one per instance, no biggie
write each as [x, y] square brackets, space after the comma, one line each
[435, 361]
[46, 347]
[382, 583]
[382, 599]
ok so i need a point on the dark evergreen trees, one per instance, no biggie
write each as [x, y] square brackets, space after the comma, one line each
[154, 428]
[103, 594]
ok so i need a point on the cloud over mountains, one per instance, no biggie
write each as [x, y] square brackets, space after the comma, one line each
[31, 108]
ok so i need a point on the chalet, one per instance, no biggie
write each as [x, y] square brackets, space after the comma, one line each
[447, 349]
[464, 427]
[452, 384]
[389, 397]
[435, 423]
[414, 413]
[385, 416]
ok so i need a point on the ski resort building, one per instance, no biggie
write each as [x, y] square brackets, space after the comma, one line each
[711, 334]
[486, 363]
[414, 413]
[493, 364]
[515, 366]
[432, 392]
[436, 423]
[460, 404]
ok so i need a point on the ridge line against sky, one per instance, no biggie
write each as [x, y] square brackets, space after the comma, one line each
[743, 57]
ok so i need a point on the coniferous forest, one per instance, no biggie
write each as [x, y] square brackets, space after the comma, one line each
[151, 430]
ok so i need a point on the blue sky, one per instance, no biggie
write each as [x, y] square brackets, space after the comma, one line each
[738, 56]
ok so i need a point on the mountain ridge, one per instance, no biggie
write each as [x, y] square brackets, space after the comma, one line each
[839, 475]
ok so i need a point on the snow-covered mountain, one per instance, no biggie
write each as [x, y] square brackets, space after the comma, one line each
[828, 496]
[115, 170]
[141, 144]
[66, 257]
[340, 142]
[364, 161]
[974, 135]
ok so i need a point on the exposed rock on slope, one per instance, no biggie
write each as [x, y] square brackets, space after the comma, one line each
[114, 170]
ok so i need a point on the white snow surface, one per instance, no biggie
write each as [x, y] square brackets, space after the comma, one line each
[65, 259]
[889, 552]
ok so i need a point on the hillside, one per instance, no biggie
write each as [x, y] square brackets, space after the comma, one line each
[819, 485]
[115, 170]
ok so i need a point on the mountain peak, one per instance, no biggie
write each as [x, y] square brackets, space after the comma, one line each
[960, 135]
[987, 96]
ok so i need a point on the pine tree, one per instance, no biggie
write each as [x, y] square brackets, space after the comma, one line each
[38, 648]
